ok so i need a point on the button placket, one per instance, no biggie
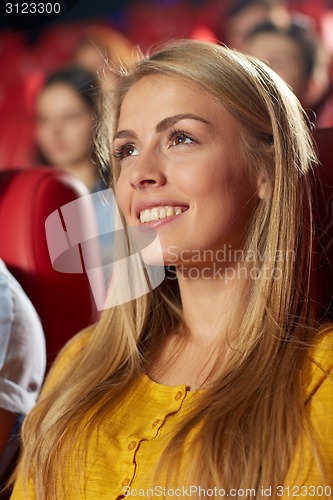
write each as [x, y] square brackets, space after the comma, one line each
[178, 396]
[126, 482]
[132, 445]
[155, 423]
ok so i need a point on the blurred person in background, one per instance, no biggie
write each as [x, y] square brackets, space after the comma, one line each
[66, 108]
[66, 113]
[244, 15]
[22, 364]
[296, 53]
[100, 48]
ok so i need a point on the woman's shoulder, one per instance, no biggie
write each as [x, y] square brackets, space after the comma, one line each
[321, 364]
[68, 356]
[322, 352]
[76, 344]
[320, 396]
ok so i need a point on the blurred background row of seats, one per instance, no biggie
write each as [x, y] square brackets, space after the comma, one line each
[28, 57]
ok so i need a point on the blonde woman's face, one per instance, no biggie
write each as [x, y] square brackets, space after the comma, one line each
[183, 168]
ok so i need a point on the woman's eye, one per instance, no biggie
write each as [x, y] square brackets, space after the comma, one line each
[125, 151]
[180, 138]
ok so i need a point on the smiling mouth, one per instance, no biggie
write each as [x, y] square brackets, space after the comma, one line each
[157, 213]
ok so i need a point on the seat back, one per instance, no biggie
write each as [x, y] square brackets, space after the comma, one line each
[62, 300]
[323, 209]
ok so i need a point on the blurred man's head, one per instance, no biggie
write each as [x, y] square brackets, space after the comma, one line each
[243, 15]
[289, 50]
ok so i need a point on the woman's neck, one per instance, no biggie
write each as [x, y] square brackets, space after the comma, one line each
[208, 302]
[192, 356]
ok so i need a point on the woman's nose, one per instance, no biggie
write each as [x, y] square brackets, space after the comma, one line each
[147, 174]
[54, 128]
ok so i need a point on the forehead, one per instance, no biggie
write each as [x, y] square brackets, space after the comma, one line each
[274, 45]
[156, 96]
[59, 95]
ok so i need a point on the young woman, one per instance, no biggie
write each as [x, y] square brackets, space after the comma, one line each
[217, 382]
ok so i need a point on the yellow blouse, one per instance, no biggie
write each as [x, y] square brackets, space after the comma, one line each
[122, 456]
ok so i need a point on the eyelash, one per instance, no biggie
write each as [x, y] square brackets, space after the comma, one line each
[173, 133]
[119, 153]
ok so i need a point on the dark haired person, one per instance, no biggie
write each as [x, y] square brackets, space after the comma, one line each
[66, 115]
[296, 53]
[244, 15]
[66, 108]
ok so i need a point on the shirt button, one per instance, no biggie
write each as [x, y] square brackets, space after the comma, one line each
[132, 445]
[157, 421]
[126, 482]
[178, 395]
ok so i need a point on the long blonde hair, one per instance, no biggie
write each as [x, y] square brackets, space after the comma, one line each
[252, 417]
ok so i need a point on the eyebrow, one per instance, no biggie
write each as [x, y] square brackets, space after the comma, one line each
[162, 125]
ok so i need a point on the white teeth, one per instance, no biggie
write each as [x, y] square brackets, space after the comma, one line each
[159, 213]
[145, 216]
[154, 214]
[163, 212]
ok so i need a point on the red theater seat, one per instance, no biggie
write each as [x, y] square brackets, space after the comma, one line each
[14, 152]
[63, 300]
